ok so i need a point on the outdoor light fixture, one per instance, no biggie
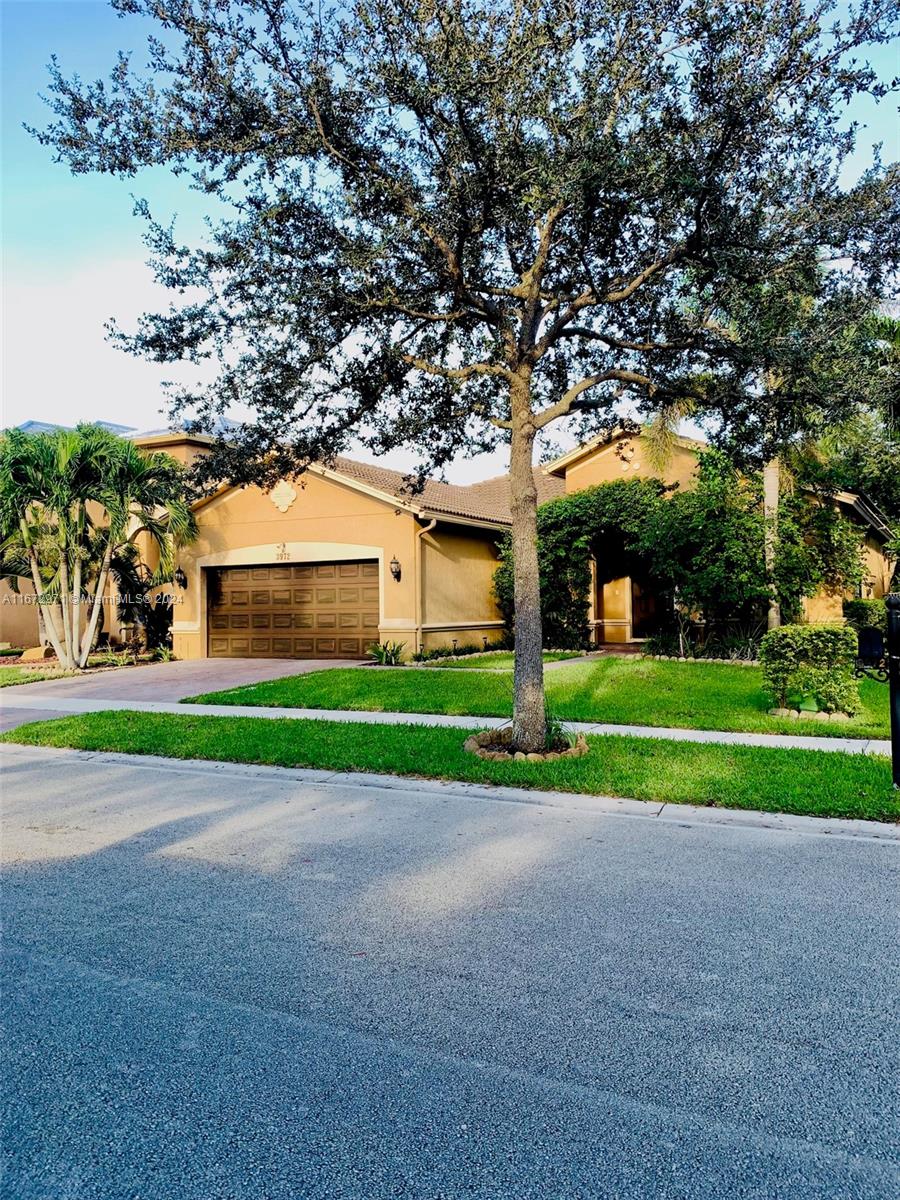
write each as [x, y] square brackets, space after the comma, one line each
[395, 569]
[181, 578]
[484, 639]
[454, 645]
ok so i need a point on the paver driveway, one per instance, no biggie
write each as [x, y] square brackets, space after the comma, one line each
[234, 983]
[158, 681]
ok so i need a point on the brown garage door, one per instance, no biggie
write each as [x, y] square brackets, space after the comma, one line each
[313, 610]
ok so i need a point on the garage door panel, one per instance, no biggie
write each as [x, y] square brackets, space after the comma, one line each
[305, 610]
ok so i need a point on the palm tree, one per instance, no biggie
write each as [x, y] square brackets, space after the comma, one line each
[71, 502]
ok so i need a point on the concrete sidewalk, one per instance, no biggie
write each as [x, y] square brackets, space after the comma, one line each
[35, 705]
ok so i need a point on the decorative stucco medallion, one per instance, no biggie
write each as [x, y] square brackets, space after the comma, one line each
[282, 495]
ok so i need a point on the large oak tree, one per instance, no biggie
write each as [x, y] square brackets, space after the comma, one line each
[453, 222]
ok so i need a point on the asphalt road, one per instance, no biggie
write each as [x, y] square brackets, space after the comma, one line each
[219, 985]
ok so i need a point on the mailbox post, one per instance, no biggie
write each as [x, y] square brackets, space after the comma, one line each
[893, 663]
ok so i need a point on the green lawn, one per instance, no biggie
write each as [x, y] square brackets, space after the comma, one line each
[794, 781]
[12, 675]
[496, 662]
[622, 691]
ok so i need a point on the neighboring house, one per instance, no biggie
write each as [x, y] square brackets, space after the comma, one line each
[322, 566]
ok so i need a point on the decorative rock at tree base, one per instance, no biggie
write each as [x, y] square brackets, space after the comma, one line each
[496, 745]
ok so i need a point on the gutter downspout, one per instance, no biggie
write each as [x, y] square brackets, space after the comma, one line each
[420, 559]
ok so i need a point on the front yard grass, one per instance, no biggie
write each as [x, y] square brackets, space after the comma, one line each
[13, 675]
[809, 782]
[620, 691]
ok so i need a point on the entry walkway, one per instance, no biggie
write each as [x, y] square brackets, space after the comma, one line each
[32, 704]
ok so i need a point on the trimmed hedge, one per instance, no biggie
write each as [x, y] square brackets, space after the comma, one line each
[866, 614]
[811, 660]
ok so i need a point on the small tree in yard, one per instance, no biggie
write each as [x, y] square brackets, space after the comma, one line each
[454, 223]
[73, 505]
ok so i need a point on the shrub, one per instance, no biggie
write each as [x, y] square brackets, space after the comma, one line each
[388, 654]
[866, 614]
[460, 651]
[811, 660]
[738, 642]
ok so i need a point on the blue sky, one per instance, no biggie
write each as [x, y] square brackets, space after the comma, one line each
[72, 251]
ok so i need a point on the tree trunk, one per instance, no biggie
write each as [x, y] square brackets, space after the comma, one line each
[50, 627]
[65, 602]
[771, 496]
[529, 716]
[87, 640]
[75, 615]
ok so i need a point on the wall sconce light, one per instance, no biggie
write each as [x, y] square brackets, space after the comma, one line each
[181, 578]
[395, 569]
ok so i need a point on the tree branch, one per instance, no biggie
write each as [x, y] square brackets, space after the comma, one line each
[564, 405]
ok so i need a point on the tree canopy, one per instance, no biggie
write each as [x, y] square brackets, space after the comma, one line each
[452, 222]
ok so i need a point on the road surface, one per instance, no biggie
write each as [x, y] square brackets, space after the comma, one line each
[222, 984]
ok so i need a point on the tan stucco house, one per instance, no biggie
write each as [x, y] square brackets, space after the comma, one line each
[325, 565]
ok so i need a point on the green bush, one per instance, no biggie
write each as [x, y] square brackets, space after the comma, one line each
[800, 661]
[460, 651]
[739, 642]
[866, 614]
[388, 654]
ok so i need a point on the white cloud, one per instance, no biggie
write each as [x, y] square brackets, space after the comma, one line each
[57, 363]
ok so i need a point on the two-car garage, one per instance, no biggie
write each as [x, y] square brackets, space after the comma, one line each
[294, 610]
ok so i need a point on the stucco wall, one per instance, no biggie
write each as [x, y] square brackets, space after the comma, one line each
[879, 569]
[18, 615]
[627, 459]
[457, 577]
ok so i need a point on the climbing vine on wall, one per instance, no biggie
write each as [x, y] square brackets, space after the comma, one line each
[704, 544]
[612, 520]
